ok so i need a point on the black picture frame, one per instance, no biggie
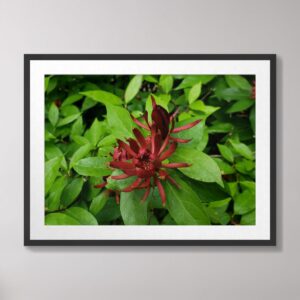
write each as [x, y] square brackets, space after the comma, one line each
[30, 57]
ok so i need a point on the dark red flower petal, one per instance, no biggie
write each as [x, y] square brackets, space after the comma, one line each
[176, 165]
[185, 127]
[168, 152]
[127, 148]
[146, 194]
[140, 137]
[177, 140]
[134, 185]
[121, 176]
[121, 165]
[101, 185]
[136, 121]
[161, 191]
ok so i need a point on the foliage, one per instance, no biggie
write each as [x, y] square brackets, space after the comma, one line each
[86, 115]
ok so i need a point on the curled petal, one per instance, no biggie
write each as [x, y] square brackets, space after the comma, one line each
[134, 185]
[140, 137]
[187, 126]
[122, 176]
[177, 140]
[173, 181]
[101, 185]
[169, 152]
[147, 192]
[127, 148]
[121, 165]
[136, 121]
[176, 165]
[161, 191]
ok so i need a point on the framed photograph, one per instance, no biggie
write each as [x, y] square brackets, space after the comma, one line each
[150, 149]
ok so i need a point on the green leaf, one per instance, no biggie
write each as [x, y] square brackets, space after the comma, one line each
[217, 211]
[110, 212]
[248, 219]
[53, 200]
[60, 219]
[67, 120]
[190, 80]
[77, 127]
[99, 202]
[160, 100]
[51, 172]
[245, 166]
[92, 166]
[184, 205]
[69, 110]
[133, 211]
[81, 215]
[231, 188]
[195, 92]
[88, 103]
[53, 114]
[118, 185]
[242, 149]
[225, 168]
[71, 99]
[203, 167]
[220, 127]
[241, 105]
[52, 151]
[133, 87]
[107, 141]
[226, 152]
[51, 85]
[96, 131]
[166, 83]
[71, 192]
[103, 97]
[150, 78]
[232, 94]
[80, 153]
[206, 109]
[244, 202]
[238, 81]
[119, 121]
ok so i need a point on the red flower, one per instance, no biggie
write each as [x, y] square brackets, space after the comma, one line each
[143, 157]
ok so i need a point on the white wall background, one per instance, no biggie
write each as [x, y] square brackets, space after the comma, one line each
[139, 26]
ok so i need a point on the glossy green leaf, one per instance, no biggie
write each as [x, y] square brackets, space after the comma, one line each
[92, 166]
[119, 121]
[238, 81]
[241, 105]
[244, 202]
[60, 219]
[184, 205]
[202, 168]
[80, 153]
[103, 97]
[52, 151]
[133, 211]
[51, 172]
[69, 110]
[71, 192]
[226, 152]
[53, 114]
[225, 168]
[190, 80]
[81, 215]
[53, 200]
[233, 94]
[133, 87]
[166, 83]
[68, 120]
[242, 149]
[71, 99]
[96, 131]
[248, 219]
[99, 202]
[77, 127]
[195, 92]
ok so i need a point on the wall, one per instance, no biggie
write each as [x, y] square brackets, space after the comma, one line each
[61, 26]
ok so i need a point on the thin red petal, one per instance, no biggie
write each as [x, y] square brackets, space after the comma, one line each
[169, 152]
[140, 137]
[146, 194]
[134, 145]
[176, 165]
[121, 165]
[130, 172]
[133, 186]
[127, 148]
[136, 121]
[161, 191]
[174, 114]
[101, 185]
[122, 176]
[177, 140]
[153, 102]
[173, 181]
[187, 126]
[164, 145]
